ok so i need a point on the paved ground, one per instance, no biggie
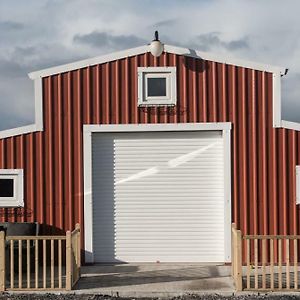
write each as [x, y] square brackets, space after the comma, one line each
[152, 282]
[155, 280]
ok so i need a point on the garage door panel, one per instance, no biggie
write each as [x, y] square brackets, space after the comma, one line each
[158, 196]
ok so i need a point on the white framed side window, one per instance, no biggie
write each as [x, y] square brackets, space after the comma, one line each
[11, 188]
[157, 86]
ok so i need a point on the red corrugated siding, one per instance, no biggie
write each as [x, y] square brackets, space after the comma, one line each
[263, 158]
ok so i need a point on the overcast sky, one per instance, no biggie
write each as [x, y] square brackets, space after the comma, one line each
[36, 34]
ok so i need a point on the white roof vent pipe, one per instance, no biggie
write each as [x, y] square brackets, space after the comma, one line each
[156, 47]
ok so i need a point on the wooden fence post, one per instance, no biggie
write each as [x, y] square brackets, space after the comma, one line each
[68, 261]
[239, 266]
[2, 261]
[233, 239]
[79, 248]
[236, 257]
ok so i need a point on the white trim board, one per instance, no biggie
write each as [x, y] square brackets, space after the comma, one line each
[157, 127]
[290, 125]
[38, 125]
[87, 158]
[276, 90]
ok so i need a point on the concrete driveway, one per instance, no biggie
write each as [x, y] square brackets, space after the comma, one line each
[155, 279]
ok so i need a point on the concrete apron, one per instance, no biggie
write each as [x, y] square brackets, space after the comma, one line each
[155, 280]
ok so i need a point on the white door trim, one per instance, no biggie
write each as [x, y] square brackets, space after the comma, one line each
[87, 153]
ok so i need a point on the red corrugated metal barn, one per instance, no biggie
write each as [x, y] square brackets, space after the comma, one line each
[154, 156]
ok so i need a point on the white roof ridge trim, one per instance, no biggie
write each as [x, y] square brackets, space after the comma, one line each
[143, 49]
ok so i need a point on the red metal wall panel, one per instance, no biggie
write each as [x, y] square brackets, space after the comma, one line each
[263, 158]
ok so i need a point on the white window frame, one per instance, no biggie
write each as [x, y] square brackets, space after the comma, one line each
[297, 184]
[18, 198]
[157, 72]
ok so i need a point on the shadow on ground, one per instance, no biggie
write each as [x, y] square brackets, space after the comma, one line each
[194, 277]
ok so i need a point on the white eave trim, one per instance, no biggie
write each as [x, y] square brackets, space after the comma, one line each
[144, 49]
[89, 62]
[223, 59]
[38, 125]
[290, 125]
[17, 131]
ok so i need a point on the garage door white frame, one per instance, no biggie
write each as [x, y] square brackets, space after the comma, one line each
[88, 130]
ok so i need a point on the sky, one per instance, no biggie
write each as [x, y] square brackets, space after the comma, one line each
[36, 34]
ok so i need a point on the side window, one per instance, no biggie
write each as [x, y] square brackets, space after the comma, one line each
[11, 188]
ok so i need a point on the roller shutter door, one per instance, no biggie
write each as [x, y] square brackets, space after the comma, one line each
[158, 196]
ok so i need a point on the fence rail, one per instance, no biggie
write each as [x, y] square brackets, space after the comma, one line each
[271, 262]
[40, 262]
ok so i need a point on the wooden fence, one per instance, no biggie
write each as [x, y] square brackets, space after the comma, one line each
[40, 262]
[271, 262]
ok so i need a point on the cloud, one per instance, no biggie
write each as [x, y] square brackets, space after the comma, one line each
[212, 41]
[10, 25]
[165, 23]
[106, 40]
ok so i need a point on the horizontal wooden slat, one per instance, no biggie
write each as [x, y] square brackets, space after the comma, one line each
[34, 238]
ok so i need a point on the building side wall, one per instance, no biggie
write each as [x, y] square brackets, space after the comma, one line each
[263, 158]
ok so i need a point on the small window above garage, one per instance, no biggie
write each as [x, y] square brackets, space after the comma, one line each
[157, 86]
[11, 188]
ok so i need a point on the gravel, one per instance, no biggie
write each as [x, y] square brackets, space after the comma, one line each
[18, 296]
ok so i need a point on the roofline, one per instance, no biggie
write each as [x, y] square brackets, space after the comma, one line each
[38, 87]
[290, 125]
[17, 131]
[144, 49]
[38, 115]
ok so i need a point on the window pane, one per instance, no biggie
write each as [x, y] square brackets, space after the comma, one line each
[157, 87]
[6, 187]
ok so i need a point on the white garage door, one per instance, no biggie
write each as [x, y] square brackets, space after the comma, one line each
[158, 196]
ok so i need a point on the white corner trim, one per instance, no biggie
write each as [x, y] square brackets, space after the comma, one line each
[38, 125]
[18, 176]
[157, 127]
[87, 161]
[276, 90]
[144, 49]
[38, 100]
